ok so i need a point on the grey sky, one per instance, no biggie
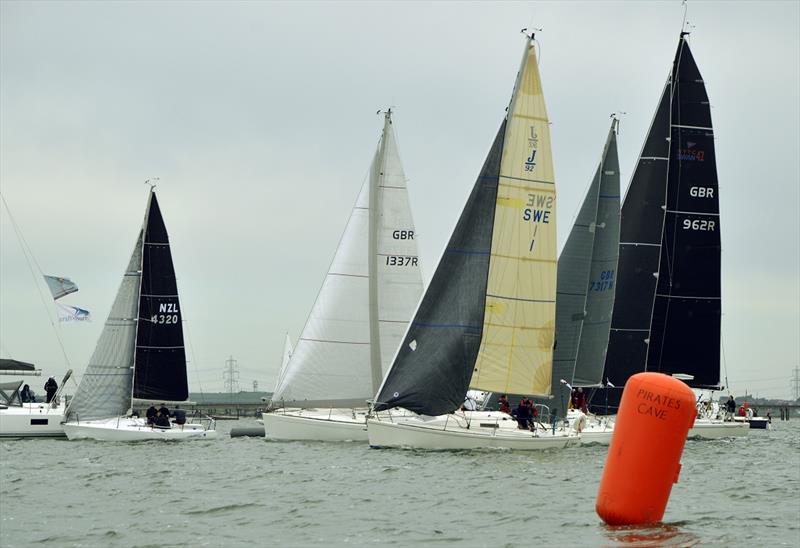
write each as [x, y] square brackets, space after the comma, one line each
[259, 118]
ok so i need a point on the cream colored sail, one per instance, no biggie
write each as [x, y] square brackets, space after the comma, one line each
[516, 351]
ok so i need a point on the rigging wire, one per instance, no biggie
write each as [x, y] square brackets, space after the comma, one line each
[30, 257]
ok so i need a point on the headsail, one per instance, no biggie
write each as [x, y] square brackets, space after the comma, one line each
[366, 299]
[587, 278]
[487, 318]
[668, 307]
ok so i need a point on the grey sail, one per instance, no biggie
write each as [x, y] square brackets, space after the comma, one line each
[434, 364]
[586, 272]
[602, 286]
[105, 389]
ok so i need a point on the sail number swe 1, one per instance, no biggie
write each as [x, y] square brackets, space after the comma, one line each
[605, 282]
[538, 208]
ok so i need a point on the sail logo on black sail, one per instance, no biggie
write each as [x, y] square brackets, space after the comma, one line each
[691, 154]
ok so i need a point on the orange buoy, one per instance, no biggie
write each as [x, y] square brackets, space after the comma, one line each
[655, 415]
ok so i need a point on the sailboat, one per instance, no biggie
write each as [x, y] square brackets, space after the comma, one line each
[487, 319]
[19, 416]
[359, 316]
[668, 310]
[23, 413]
[140, 355]
[585, 296]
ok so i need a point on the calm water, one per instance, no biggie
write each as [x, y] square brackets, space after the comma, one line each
[250, 492]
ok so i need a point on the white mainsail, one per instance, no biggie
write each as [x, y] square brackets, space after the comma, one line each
[367, 298]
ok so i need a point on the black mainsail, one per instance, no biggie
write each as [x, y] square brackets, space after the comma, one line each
[668, 306]
[160, 363]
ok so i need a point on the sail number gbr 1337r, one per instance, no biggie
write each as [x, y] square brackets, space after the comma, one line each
[402, 260]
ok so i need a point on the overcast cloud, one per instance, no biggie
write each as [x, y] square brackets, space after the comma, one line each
[259, 119]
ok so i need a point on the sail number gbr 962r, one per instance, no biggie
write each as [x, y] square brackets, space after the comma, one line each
[699, 224]
[168, 314]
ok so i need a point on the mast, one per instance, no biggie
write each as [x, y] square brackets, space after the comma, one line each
[375, 197]
[138, 296]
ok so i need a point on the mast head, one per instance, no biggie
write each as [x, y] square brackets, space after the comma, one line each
[387, 114]
[152, 182]
[532, 35]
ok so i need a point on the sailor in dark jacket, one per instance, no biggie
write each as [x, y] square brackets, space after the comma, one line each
[51, 386]
[730, 405]
[162, 421]
[523, 413]
[151, 414]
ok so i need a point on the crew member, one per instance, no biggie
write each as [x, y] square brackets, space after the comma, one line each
[505, 407]
[151, 415]
[51, 386]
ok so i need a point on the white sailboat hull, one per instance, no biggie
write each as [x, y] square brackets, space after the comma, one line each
[418, 434]
[133, 429]
[316, 425]
[708, 429]
[32, 420]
